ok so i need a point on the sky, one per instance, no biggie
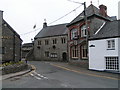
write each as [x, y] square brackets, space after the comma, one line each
[22, 15]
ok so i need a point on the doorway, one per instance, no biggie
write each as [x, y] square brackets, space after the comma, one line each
[64, 56]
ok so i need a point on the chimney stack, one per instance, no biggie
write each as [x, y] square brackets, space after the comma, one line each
[44, 24]
[103, 10]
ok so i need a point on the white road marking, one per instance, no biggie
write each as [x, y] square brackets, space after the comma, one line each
[31, 74]
[38, 76]
[64, 85]
[35, 76]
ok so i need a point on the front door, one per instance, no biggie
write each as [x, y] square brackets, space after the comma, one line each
[64, 56]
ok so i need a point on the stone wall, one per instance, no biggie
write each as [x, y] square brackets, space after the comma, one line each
[1, 17]
[11, 43]
[39, 50]
[15, 68]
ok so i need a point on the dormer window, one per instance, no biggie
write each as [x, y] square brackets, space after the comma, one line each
[73, 33]
[83, 31]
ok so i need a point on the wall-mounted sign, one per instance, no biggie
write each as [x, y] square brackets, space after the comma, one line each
[92, 46]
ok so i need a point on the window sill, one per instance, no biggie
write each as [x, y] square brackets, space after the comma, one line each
[84, 58]
[110, 49]
[75, 58]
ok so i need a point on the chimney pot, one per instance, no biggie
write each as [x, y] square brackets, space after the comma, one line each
[44, 25]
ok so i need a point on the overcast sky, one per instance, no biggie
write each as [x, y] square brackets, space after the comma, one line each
[22, 15]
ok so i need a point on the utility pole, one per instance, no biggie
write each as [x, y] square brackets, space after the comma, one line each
[86, 23]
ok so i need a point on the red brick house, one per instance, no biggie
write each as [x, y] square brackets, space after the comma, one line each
[77, 32]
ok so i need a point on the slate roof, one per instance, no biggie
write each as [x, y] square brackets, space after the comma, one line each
[90, 10]
[109, 30]
[27, 45]
[4, 22]
[54, 30]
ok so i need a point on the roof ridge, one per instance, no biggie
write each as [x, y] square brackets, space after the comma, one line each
[88, 12]
[57, 25]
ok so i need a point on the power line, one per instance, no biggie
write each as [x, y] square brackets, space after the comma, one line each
[30, 31]
[53, 21]
[66, 14]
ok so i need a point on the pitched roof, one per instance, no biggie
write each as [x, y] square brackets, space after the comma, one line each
[90, 10]
[109, 30]
[55, 30]
[27, 45]
[4, 22]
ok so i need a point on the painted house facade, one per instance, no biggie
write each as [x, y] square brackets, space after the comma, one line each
[51, 43]
[77, 33]
[104, 48]
[11, 43]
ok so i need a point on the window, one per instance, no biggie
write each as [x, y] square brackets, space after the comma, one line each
[39, 42]
[63, 40]
[73, 34]
[2, 50]
[111, 44]
[83, 31]
[84, 51]
[46, 42]
[74, 52]
[46, 53]
[53, 55]
[55, 41]
[112, 63]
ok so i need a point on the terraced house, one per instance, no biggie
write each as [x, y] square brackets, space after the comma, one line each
[51, 43]
[104, 48]
[10, 48]
[77, 32]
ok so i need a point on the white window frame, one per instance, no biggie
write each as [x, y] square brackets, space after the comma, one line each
[74, 52]
[55, 41]
[39, 42]
[74, 33]
[63, 40]
[83, 31]
[53, 55]
[46, 42]
[47, 54]
[83, 49]
[111, 44]
[112, 63]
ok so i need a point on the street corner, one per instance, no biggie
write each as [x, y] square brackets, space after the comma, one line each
[20, 73]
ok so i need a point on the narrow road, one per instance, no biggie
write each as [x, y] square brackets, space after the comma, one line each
[47, 75]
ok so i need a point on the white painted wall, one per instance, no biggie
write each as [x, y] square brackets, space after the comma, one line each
[119, 51]
[98, 53]
[119, 10]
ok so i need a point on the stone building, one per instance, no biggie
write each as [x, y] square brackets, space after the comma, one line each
[51, 43]
[26, 48]
[10, 49]
[78, 33]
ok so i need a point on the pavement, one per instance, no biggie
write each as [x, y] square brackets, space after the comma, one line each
[68, 67]
[86, 71]
[11, 75]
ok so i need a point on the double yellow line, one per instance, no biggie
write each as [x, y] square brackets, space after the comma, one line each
[101, 76]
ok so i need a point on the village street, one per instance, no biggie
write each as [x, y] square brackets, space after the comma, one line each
[55, 75]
